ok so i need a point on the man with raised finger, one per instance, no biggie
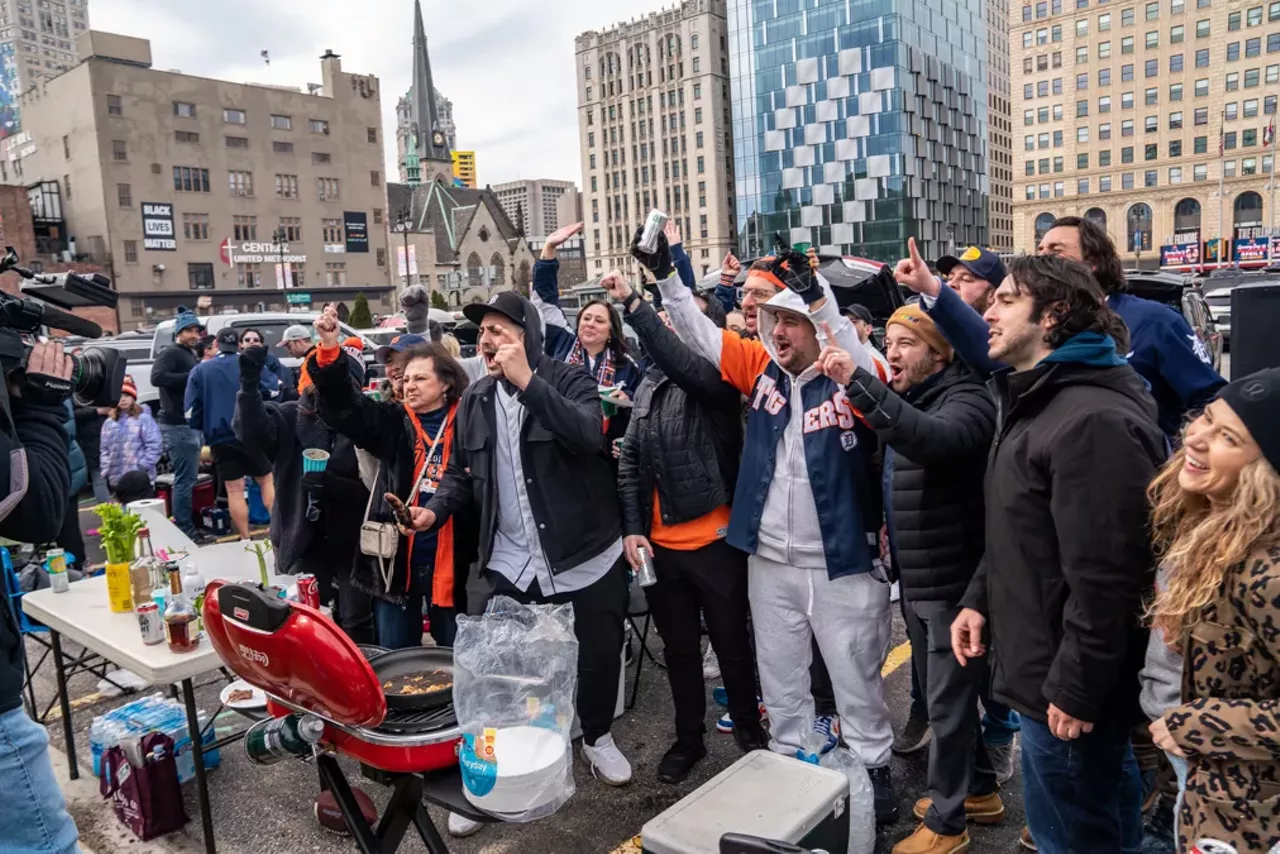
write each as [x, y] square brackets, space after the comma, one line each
[1058, 595]
[528, 456]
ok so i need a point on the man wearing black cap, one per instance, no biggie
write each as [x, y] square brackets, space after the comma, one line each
[211, 408]
[528, 454]
[862, 321]
[169, 374]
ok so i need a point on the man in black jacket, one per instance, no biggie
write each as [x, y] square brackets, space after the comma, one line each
[182, 442]
[676, 477]
[1068, 558]
[529, 455]
[36, 482]
[936, 419]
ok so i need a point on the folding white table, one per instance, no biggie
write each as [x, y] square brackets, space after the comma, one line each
[84, 615]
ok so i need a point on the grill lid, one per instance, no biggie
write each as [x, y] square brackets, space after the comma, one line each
[294, 652]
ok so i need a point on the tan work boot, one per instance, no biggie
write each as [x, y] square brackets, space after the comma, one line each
[979, 809]
[1026, 841]
[925, 841]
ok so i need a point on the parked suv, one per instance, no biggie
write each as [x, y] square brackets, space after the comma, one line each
[1218, 287]
[1182, 294]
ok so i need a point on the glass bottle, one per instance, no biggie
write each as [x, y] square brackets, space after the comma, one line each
[142, 573]
[179, 617]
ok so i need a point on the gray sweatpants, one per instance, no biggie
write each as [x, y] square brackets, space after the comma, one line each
[850, 619]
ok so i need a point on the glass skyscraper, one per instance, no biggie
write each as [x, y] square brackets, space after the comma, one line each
[858, 123]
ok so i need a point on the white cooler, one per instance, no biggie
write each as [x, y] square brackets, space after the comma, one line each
[762, 794]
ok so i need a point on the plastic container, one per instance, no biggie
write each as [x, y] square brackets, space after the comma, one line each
[762, 794]
[529, 763]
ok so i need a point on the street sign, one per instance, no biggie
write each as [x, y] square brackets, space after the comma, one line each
[296, 298]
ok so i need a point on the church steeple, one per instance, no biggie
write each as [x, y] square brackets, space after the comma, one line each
[428, 154]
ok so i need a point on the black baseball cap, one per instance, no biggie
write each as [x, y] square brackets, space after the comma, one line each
[857, 311]
[983, 263]
[228, 340]
[507, 303]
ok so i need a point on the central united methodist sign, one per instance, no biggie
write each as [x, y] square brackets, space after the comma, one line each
[252, 252]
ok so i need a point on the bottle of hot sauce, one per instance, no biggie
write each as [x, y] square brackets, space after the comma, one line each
[179, 616]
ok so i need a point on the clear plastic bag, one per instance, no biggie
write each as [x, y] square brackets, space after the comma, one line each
[515, 675]
[862, 806]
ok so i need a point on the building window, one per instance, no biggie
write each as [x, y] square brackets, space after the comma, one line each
[1151, 96]
[292, 228]
[1082, 186]
[371, 134]
[114, 107]
[195, 226]
[375, 178]
[1233, 52]
[1104, 158]
[234, 117]
[697, 91]
[1150, 151]
[1126, 17]
[124, 195]
[1251, 108]
[183, 110]
[66, 186]
[1152, 39]
[1126, 73]
[1202, 58]
[1104, 184]
[335, 274]
[1200, 172]
[332, 229]
[1202, 29]
[1176, 34]
[245, 228]
[241, 183]
[281, 122]
[190, 179]
[249, 275]
[187, 136]
[1126, 44]
[377, 216]
[1104, 50]
[131, 252]
[380, 255]
[282, 147]
[1202, 87]
[328, 189]
[200, 276]
[286, 186]
[319, 126]
[1175, 91]
[1233, 81]
[1231, 112]
[1104, 131]
[237, 142]
[1104, 77]
[119, 151]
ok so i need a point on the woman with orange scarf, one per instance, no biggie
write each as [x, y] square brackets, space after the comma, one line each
[411, 440]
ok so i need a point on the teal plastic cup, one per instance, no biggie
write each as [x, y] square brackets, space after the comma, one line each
[314, 459]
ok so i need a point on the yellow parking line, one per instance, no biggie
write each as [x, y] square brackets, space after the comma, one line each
[898, 656]
[79, 702]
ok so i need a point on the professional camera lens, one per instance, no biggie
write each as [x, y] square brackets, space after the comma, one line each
[98, 375]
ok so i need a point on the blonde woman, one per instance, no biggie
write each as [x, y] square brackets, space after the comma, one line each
[1216, 507]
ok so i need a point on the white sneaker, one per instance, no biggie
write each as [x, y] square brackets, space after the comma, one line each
[461, 826]
[607, 761]
[710, 664]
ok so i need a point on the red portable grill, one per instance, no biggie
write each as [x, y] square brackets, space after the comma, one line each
[305, 663]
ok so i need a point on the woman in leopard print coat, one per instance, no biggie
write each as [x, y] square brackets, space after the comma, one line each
[1216, 508]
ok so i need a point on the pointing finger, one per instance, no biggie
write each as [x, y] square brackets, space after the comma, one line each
[915, 253]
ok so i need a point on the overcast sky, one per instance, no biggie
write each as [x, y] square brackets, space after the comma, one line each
[507, 65]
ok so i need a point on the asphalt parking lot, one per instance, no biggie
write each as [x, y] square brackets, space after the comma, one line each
[258, 808]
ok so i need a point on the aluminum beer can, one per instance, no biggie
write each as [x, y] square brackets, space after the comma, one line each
[151, 623]
[1212, 846]
[308, 590]
[653, 226]
[58, 579]
[645, 573]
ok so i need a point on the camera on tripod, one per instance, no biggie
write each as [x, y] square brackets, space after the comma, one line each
[98, 372]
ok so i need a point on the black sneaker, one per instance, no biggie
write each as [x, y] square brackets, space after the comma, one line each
[886, 803]
[678, 762]
[750, 738]
[915, 736]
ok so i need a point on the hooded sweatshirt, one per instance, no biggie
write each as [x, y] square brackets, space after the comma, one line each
[807, 494]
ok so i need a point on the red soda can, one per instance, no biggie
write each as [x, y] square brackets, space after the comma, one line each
[151, 623]
[308, 590]
[1211, 846]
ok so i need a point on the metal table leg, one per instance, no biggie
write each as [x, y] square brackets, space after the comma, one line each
[68, 733]
[197, 756]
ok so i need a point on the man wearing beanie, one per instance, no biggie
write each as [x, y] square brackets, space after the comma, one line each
[936, 419]
[182, 443]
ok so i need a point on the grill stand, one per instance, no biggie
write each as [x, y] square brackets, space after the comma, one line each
[443, 788]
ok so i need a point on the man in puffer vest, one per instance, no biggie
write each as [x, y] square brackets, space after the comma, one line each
[806, 509]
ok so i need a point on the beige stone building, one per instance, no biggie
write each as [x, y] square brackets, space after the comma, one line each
[655, 132]
[184, 187]
[1122, 107]
[534, 205]
[458, 242]
[999, 129]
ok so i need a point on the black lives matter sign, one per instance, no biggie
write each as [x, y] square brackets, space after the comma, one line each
[157, 226]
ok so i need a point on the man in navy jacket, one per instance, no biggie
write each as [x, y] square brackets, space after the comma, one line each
[210, 403]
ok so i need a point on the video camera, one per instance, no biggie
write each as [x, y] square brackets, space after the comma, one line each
[98, 372]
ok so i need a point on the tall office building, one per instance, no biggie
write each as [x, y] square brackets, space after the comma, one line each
[999, 129]
[37, 41]
[464, 167]
[853, 133]
[654, 131]
[1123, 109]
[534, 205]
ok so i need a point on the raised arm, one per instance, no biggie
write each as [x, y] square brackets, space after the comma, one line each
[545, 292]
[374, 427]
[255, 426]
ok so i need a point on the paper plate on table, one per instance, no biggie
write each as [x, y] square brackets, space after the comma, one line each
[258, 700]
